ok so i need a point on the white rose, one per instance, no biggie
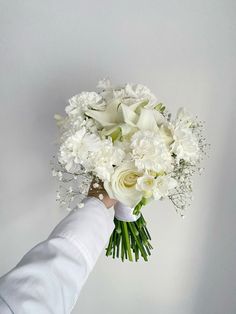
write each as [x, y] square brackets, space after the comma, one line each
[123, 184]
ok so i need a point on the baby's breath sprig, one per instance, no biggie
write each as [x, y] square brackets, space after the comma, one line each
[184, 171]
[73, 187]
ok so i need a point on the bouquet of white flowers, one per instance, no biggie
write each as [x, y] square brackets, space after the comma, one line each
[122, 136]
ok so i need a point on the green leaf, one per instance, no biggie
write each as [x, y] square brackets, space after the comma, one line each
[116, 135]
[160, 107]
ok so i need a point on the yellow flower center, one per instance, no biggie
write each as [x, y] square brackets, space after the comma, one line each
[149, 182]
[130, 179]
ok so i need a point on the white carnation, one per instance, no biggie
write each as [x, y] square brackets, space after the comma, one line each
[150, 152]
[184, 118]
[77, 149]
[80, 103]
[138, 92]
[185, 144]
[106, 158]
[163, 185]
[129, 94]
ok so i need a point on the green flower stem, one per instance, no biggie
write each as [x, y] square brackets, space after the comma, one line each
[109, 248]
[138, 242]
[119, 235]
[114, 245]
[148, 234]
[147, 249]
[118, 245]
[143, 235]
[118, 228]
[122, 249]
[136, 252]
[123, 241]
[127, 241]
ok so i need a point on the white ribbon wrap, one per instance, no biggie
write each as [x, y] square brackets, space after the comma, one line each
[125, 213]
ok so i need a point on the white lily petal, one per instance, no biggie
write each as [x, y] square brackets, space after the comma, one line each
[127, 129]
[129, 116]
[166, 131]
[147, 120]
[110, 117]
[139, 103]
[104, 118]
[109, 131]
[160, 119]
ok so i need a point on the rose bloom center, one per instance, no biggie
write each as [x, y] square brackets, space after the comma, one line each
[130, 179]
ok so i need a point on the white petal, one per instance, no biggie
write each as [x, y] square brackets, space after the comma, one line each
[147, 120]
[110, 117]
[129, 116]
[160, 119]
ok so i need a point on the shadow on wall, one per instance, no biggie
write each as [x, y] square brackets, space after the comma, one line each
[217, 285]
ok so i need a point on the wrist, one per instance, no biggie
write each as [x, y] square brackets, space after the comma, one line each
[105, 199]
[97, 190]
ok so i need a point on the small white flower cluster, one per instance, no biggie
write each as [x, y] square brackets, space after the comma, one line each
[124, 137]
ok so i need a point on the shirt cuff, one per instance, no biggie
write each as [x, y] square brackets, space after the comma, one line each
[88, 228]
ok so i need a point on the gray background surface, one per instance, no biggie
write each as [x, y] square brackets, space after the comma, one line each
[185, 52]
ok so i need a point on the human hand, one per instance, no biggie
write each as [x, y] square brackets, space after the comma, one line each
[97, 190]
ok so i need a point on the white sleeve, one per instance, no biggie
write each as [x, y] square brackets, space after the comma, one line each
[48, 279]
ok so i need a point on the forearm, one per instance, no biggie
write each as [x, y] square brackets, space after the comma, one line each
[49, 278]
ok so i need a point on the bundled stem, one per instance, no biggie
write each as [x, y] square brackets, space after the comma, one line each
[129, 240]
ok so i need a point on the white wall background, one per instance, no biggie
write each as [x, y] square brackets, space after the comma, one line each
[185, 52]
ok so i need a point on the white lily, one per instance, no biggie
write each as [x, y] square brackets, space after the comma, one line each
[147, 120]
[121, 132]
[108, 118]
[129, 115]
